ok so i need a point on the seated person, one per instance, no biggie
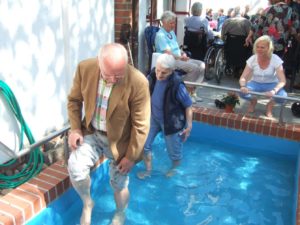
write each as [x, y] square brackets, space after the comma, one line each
[166, 42]
[173, 116]
[198, 32]
[263, 73]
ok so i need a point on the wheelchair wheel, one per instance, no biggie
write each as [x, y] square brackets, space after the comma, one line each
[209, 60]
[219, 65]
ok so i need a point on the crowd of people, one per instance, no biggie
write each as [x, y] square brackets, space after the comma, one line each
[116, 112]
[278, 26]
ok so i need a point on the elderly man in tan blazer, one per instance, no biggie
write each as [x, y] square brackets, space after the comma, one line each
[115, 100]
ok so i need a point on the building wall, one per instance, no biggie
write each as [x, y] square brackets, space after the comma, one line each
[41, 43]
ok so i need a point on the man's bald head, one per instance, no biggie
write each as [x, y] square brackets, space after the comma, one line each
[112, 60]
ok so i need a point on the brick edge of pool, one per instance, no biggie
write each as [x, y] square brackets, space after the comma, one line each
[24, 202]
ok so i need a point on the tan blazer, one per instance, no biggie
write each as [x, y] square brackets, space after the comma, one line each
[128, 114]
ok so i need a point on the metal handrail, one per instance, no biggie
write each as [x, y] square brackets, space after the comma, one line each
[250, 92]
[37, 144]
[64, 130]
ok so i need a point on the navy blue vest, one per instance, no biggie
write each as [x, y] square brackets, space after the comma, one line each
[174, 112]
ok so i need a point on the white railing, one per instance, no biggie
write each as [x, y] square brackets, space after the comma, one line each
[250, 92]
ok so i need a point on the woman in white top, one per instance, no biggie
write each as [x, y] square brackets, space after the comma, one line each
[263, 73]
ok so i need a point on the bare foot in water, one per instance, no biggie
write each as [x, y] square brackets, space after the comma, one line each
[119, 218]
[144, 174]
[251, 107]
[171, 172]
[87, 213]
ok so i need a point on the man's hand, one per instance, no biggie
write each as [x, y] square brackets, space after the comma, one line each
[125, 165]
[75, 139]
[248, 41]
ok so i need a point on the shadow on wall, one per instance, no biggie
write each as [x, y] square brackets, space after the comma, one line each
[40, 46]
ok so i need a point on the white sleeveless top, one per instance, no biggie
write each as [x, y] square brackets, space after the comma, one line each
[267, 75]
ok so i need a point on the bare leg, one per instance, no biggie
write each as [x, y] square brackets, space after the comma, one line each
[83, 189]
[191, 89]
[121, 199]
[193, 94]
[270, 105]
[148, 163]
[251, 107]
[172, 170]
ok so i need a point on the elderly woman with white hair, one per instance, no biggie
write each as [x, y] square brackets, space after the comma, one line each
[166, 42]
[171, 112]
[263, 73]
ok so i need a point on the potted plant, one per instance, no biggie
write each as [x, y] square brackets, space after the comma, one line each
[230, 100]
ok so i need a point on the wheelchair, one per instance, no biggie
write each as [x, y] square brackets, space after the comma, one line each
[195, 43]
[215, 61]
[226, 58]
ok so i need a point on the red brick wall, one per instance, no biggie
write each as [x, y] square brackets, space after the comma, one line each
[123, 14]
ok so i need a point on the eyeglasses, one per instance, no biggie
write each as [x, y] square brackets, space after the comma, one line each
[112, 78]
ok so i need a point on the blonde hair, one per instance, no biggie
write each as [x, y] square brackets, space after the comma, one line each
[267, 39]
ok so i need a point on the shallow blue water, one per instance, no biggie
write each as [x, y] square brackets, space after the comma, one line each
[216, 184]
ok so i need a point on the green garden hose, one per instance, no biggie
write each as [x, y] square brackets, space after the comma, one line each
[35, 159]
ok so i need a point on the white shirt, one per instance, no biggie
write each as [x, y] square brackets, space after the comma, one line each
[267, 75]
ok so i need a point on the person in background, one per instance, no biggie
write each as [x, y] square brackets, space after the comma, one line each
[263, 73]
[234, 32]
[209, 15]
[196, 21]
[115, 100]
[221, 19]
[236, 25]
[166, 42]
[257, 16]
[230, 13]
[279, 22]
[171, 112]
[295, 5]
[246, 11]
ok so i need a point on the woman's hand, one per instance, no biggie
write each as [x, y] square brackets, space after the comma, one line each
[185, 133]
[271, 93]
[244, 90]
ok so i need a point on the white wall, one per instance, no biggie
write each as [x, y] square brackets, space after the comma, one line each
[41, 43]
[142, 64]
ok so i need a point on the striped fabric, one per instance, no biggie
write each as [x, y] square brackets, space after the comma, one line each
[99, 118]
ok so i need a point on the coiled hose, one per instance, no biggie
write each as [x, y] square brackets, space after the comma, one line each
[35, 159]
